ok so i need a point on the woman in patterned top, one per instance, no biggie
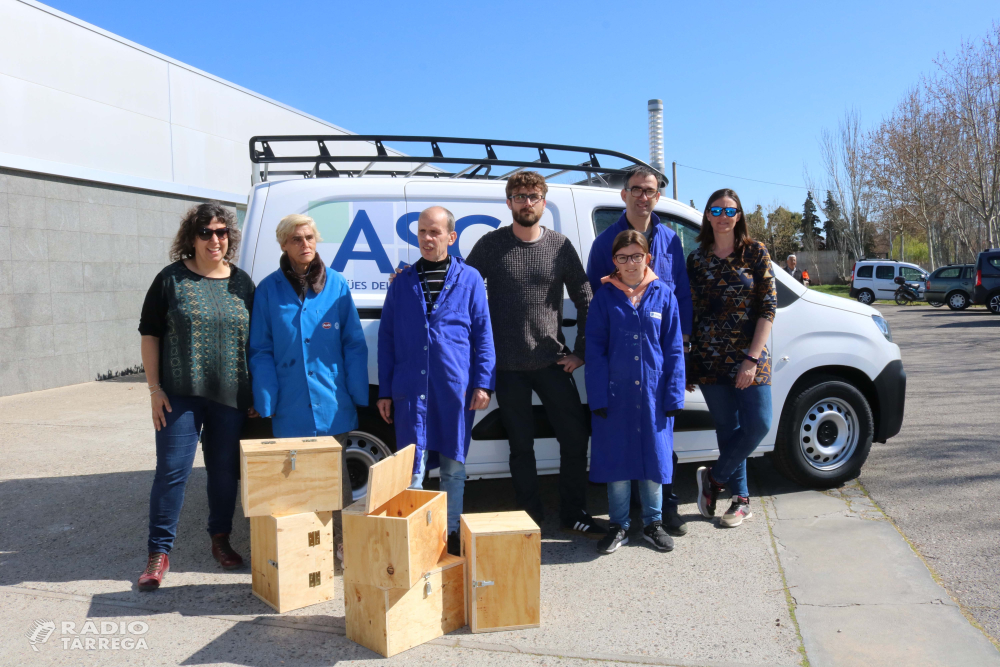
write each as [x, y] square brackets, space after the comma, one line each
[195, 326]
[732, 287]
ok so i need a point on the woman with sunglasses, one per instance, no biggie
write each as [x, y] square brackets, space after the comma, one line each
[733, 290]
[635, 385]
[195, 325]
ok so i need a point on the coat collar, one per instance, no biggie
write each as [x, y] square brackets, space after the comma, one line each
[623, 224]
[314, 278]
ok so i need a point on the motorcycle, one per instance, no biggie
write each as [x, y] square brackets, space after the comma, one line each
[906, 292]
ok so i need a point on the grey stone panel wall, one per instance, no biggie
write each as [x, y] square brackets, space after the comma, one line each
[76, 259]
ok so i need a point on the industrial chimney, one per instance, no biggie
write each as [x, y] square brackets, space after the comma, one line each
[656, 135]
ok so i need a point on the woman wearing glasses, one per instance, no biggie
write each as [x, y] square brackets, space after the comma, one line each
[732, 286]
[635, 385]
[195, 325]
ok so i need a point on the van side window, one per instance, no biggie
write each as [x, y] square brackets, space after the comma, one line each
[994, 262]
[687, 231]
[910, 273]
[883, 272]
[948, 273]
[865, 272]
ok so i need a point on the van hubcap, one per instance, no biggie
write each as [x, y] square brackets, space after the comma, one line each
[865, 297]
[995, 303]
[828, 434]
[362, 451]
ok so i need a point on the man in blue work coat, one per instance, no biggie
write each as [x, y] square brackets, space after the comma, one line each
[640, 194]
[308, 356]
[436, 358]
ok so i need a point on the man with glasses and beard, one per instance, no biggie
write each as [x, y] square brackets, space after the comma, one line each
[640, 194]
[526, 266]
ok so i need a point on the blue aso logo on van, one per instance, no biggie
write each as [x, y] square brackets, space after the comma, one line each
[364, 238]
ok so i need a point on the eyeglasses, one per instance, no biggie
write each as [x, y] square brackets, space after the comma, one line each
[716, 211]
[205, 233]
[531, 199]
[635, 259]
[638, 192]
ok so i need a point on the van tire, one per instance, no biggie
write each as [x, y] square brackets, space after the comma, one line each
[844, 427]
[866, 296]
[993, 303]
[370, 443]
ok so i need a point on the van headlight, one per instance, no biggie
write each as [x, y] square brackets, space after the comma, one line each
[883, 326]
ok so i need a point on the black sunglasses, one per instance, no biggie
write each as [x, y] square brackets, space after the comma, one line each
[205, 233]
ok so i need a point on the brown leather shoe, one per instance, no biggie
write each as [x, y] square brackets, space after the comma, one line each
[224, 553]
[156, 568]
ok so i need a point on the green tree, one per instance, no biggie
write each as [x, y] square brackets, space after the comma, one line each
[833, 228]
[811, 228]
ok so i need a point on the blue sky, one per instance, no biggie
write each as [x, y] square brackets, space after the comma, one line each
[748, 87]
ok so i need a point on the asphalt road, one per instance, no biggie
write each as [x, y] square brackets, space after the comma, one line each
[939, 479]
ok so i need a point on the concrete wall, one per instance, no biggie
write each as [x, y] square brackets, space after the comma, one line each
[821, 265]
[76, 259]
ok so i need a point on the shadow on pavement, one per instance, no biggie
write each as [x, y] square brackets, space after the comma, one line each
[971, 324]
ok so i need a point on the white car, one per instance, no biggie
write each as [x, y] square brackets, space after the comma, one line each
[873, 279]
[838, 380]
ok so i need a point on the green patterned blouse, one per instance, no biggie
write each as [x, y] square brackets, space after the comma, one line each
[203, 325]
[729, 295]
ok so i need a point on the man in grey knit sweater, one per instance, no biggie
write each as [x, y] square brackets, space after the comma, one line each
[526, 267]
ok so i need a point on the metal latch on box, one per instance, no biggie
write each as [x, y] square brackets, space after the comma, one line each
[427, 583]
[481, 584]
[292, 454]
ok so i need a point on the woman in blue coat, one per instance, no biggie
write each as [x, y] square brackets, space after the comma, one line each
[436, 357]
[635, 386]
[308, 357]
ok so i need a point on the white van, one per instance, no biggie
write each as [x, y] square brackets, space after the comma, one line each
[838, 380]
[873, 279]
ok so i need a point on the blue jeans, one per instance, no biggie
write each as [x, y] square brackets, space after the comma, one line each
[620, 497]
[742, 418]
[176, 444]
[452, 482]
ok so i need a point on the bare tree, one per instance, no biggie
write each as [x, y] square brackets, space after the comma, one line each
[848, 174]
[966, 92]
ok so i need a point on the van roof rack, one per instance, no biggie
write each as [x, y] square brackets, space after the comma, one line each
[381, 163]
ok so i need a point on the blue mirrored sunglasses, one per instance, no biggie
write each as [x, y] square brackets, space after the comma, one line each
[730, 211]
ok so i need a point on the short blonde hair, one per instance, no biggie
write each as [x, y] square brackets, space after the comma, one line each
[290, 223]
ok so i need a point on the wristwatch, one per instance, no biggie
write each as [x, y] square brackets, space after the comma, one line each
[687, 347]
[747, 357]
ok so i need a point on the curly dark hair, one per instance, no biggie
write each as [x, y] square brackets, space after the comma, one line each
[198, 218]
[527, 179]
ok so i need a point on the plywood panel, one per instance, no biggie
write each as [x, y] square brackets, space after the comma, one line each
[508, 566]
[500, 522]
[292, 559]
[389, 621]
[395, 546]
[273, 486]
[390, 477]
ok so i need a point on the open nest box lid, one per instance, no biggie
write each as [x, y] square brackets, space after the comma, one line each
[284, 445]
[389, 477]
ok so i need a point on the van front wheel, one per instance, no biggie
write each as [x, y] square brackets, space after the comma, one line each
[825, 434]
[866, 296]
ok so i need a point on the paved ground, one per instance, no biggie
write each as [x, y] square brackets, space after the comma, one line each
[939, 479]
[75, 472]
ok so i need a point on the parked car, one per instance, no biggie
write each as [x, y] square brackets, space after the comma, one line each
[987, 287]
[838, 379]
[952, 285]
[873, 279]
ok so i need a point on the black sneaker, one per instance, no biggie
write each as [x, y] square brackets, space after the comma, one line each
[655, 535]
[708, 493]
[585, 525]
[672, 521]
[454, 544]
[614, 538]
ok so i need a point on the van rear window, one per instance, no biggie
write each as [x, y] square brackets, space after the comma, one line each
[883, 272]
[865, 272]
[994, 262]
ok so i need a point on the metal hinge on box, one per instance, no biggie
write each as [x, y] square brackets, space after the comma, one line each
[428, 589]
[481, 584]
[292, 454]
